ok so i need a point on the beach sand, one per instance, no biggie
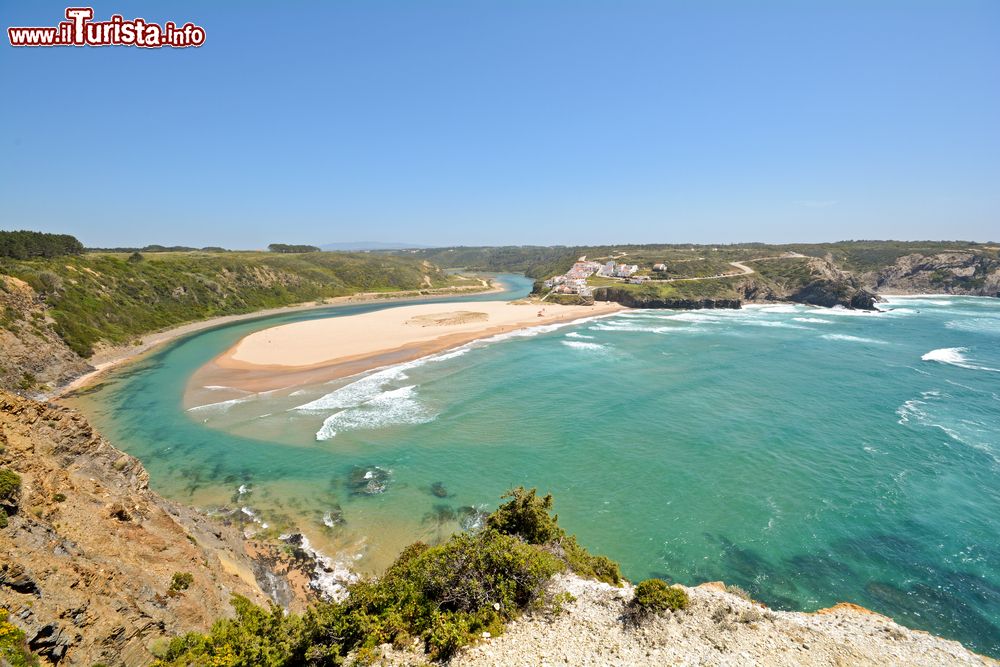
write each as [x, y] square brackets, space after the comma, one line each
[314, 351]
[108, 358]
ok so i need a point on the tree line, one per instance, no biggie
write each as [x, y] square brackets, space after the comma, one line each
[25, 245]
[286, 248]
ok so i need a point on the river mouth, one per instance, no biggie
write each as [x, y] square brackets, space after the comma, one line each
[810, 456]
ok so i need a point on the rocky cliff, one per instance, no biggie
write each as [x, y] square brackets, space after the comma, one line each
[970, 273]
[89, 554]
[717, 628]
[33, 356]
[641, 300]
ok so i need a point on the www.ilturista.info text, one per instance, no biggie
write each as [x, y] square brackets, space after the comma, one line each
[80, 30]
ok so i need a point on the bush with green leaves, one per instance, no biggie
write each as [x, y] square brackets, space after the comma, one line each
[444, 596]
[10, 488]
[13, 649]
[181, 581]
[528, 516]
[653, 596]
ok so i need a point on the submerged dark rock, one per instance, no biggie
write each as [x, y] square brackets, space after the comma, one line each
[367, 480]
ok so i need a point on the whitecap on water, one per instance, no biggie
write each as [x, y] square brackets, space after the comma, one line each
[582, 345]
[983, 325]
[574, 334]
[853, 339]
[955, 356]
[387, 408]
[812, 320]
[221, 406]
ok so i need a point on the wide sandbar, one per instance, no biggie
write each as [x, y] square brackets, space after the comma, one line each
[320, 350]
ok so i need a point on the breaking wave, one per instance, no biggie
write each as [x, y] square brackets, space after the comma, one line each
[581, 345]
[955, 356]
[853, 339]
[387, 408]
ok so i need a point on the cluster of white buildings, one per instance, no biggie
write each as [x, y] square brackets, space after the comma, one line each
[574, 281]
[613, 270]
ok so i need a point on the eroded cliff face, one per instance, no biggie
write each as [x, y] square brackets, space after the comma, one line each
[33, 357]
[945, 273]
[89, 552]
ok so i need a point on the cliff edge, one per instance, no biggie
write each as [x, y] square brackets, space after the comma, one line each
[88, 555]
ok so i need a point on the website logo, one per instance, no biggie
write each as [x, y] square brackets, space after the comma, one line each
[79, 29]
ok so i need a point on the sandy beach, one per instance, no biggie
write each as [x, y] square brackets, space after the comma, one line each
[321, 350]
[111, 357]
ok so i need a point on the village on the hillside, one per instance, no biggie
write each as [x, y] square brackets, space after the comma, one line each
[574, 281]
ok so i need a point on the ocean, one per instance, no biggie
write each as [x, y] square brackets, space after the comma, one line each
[809, 455]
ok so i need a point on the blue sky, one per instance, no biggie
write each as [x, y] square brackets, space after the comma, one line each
[510, 121]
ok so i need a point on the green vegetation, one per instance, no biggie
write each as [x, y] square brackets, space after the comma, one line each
[700, 261]
[10, 487]
[13, 649]
[24, 245]
[181, 581]
[719, 288]
[653, 596]
[108, 298]
[284, 247]
[444, 596]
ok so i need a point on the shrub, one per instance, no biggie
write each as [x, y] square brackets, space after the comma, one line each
[181, 581]
[59, 497]
[10, 488]
[653, 596]
[255, 636]
[526, 515]
[13, 650]
[585, 564]
[445, 595]
[529, 516]
[739, 592]
[3, 518]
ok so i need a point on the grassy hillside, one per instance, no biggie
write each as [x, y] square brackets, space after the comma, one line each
[542, 262]
[117, 297]
[958, 267]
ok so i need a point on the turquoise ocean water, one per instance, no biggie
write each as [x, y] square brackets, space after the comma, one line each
[809, 455]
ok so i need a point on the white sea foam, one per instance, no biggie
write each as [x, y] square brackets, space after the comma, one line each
[955, 356]
[221, 406]
[920, 300]
[812, 320]
[772, 323]
[642, 329]
[330, 578]
[219, 387]
[847, 312]
[787, 308]
[387, 408]
[582, 345]
[693, 317]
[574, 334]
[983, 325]
[922, 412]
[853, 339]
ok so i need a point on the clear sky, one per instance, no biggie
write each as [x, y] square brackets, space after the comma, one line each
[510, 122]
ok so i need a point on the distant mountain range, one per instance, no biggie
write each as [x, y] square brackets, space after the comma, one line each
[370, 245]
